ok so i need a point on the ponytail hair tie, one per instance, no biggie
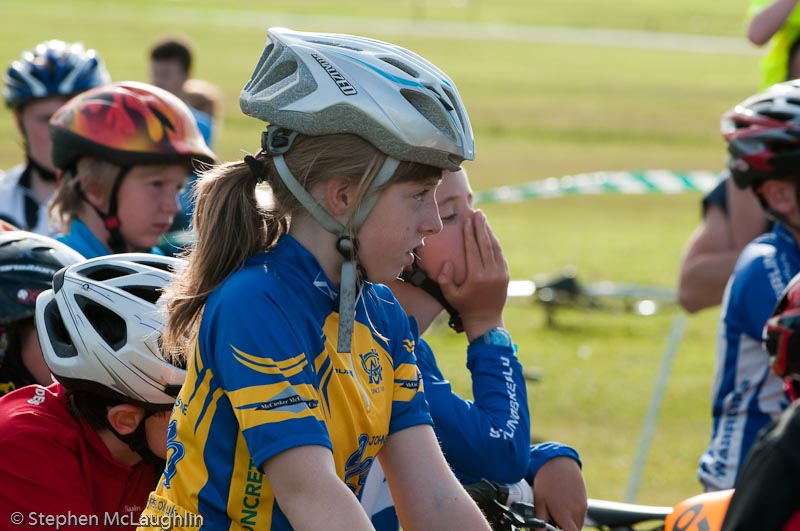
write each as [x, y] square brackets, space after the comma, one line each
[257, 169]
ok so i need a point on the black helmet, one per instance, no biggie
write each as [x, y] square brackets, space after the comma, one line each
[28, 262]
[763, 134]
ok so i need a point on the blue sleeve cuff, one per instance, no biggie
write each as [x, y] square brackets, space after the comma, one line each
[543, 452]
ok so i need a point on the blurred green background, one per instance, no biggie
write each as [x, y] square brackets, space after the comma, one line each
[553, 87]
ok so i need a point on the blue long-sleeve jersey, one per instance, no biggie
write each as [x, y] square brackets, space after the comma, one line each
[488, 437]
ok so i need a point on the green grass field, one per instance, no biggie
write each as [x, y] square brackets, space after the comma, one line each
[539, 109]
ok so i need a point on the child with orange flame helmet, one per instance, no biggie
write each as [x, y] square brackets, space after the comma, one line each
[124, 151]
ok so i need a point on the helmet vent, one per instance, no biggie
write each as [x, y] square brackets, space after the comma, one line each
[57, 334]
[147, 293]
[400, 66]
[108, 325]
[279, 73]
[459, 110]
[158, 265]
[336, 44]
[426, 106]
[106, 272]
[780, 116]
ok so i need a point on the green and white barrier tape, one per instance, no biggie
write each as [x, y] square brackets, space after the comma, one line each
[605, 182]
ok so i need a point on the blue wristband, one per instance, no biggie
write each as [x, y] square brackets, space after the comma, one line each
[496, 336]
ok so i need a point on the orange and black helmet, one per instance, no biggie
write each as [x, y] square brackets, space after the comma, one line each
[127, 124]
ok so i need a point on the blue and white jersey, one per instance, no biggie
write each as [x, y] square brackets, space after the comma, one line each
[19, 206]
[265, 377]
[746, 396]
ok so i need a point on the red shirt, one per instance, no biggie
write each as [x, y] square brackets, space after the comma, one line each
[55, 470]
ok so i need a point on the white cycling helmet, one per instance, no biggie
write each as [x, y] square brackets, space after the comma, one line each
[325, 83]
[100, 325]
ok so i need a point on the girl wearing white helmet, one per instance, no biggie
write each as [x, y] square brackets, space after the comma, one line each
[301, 367]
[93, 443]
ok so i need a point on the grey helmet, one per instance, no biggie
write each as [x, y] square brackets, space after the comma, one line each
[100, 325]
[325, 83]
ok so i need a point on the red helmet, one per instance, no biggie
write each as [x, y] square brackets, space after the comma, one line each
[127, 124]
[782, 340]
[763, 134]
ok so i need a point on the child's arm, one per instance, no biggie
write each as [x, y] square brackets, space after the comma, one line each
[427, 495]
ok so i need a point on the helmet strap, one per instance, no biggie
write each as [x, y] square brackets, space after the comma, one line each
[86, 406]
[116, 242]
[137, 441]
[276, 142]
[417, 277]
[44, 173]
[31, 205]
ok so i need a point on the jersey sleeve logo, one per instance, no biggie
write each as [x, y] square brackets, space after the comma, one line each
[287, 402]
[413, 384]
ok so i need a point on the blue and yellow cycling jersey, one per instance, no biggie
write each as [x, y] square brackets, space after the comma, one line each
[265, 377]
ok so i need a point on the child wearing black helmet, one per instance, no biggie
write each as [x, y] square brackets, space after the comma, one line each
[764, 156]
[766, 490]
[28, 262]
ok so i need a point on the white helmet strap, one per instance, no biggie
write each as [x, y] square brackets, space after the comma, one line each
[345, 244]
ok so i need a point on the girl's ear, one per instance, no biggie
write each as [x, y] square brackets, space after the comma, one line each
[339, 196]
[91, 192]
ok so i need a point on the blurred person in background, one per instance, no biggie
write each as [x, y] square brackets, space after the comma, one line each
[205, 97]
[28, 262]
[125, 150]
[462, 270]
[776, 23]
[171, 69]
[34, 87]
[94, 442]
[731, 218]
[764, 156]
